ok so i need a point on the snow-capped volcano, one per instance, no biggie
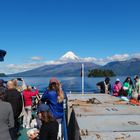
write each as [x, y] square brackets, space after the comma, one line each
[69, 56]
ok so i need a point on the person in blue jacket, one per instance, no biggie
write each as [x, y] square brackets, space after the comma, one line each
[54, 97]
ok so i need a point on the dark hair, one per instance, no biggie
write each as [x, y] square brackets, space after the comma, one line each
[46, 116]
[126, 80]
[117, 82]
[136, 77]
[2, 94]
[107, 79]
[53, 86]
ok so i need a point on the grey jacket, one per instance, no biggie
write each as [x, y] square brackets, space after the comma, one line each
[6, 120]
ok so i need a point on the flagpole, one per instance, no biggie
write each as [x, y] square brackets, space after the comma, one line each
[82, 79]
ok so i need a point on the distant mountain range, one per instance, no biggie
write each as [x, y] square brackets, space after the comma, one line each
[70, 65]
[68, 69]
[128, 67]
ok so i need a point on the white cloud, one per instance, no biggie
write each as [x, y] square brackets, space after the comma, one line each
[102, 61]
[36, 58]
[89, 59]
[54, 62]
[136, 55]
[15, 68]
[116, 57]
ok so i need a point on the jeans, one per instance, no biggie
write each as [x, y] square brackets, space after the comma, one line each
[27, 116]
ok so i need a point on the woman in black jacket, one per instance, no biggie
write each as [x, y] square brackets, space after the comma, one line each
[49, 127]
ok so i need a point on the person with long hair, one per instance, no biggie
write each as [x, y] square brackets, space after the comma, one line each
[49, 127]
[54, 97]
[128, 86]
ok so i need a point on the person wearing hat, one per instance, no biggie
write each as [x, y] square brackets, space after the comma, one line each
[104, 86]
[49, 127]
[136, 92]
[117, 87]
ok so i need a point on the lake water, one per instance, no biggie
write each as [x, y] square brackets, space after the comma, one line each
[72, 84]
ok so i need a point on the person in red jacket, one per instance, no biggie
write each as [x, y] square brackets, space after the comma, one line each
[27, 95]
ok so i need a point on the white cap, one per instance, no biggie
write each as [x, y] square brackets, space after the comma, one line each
[117, 79]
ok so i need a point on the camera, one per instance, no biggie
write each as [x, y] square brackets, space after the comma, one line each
[19, 79]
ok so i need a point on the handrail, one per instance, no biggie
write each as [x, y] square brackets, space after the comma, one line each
[64, 125]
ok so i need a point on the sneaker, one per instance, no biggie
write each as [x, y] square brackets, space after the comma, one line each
[24, 125]
[27, 127]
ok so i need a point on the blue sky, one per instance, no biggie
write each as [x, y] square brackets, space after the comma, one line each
[47, 29]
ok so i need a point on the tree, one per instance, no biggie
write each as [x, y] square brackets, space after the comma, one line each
[101, 73]
[2, 75]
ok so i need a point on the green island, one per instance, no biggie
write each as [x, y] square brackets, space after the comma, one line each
[2, 75]
[101, 73]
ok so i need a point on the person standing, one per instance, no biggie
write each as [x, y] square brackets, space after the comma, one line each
[104, 86]
[21, 87]
[6, 118]
[27, 95]
[54, 96]
[15, 99]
